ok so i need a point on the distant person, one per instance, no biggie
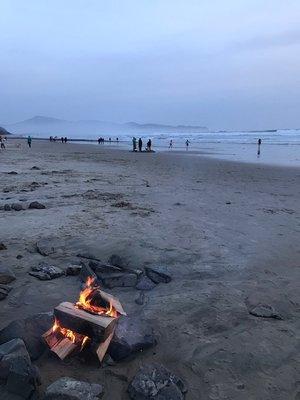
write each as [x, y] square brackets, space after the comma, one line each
[2, 144]
[133, 144]
[109, 140]
[258, 147]
[99, 140]
[149, 144]
[140, 144]
[51, 138]
[66, 139]
[62, 139]
[187, 143]
[171, 144]
[29, 140]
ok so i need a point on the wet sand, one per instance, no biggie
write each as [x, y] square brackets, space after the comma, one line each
[228, 231]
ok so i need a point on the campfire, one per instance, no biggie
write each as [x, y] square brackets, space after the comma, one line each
[91, 319]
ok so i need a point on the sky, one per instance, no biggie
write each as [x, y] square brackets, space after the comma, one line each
[231, 64]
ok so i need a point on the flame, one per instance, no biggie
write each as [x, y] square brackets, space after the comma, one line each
[68, 333]
[86, 297]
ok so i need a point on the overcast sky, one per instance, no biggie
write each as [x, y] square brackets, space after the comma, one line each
[221, 63]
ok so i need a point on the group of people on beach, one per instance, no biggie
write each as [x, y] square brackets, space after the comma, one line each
[101, 140]
[55, 139]
[139, 144]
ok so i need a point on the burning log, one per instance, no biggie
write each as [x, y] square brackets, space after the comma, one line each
[84, 323]
[63, 348]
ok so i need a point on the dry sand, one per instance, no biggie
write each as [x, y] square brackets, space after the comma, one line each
[226, 230]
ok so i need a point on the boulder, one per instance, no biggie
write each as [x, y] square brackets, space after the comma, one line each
[17, 206]
[6, 275]
[145, 283]
[131, 335]
[70, 389]
[7, 207]
[2, 246]
[35, 168]
[158, 274]
[23, 379]
[4, 290]
[154, 381]
[30, 330]
[11, 352]
[73, 270]
[100, 267]
[264, 305]
[119, 280]
[46, 272]
[87, 272]
[12, 173]
[36, 205]
[45, 247]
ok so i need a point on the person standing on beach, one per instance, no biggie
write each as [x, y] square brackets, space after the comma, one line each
[29, 140]
[140, 144]
[149, 144]
[171, 144]
[187, 142]
[258, 147]
[133, 144]
[2, 142]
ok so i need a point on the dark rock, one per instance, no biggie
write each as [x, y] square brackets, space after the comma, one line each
[12, 173]
[119, 280]
[140, 300]
[45, 247]
[154, 381]
[46, 272]
[118, 261]
[131, 335]
[100, 268]
[19, 256]
[30, 330]
[35, 168]
[36, 205]
[10, 353]
[23, 379]
[7, 207]
[87, 272]
[69, 389]
[89, 256]
[158, 274]
[2, 246]
[145, 283]
[17, 206]
[259, 307]
[6, 275]
[73, 270]
[4, 290]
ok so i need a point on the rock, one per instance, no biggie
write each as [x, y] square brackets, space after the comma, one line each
[11, 352]
[46, 272]
[6, 275]
[45, 247]
[145, 283]
[12, 173]
[4, 290]
[118, 261]
[87, 272]
[100, 268]
[88, 255]
[69, 389]
[73, 270]
[131, 335]
[7, 207]
[23, 379]
[140, 300]
[35, 168]
[119, 280]
[260, 304]
[158, 274]
[2, 246]
[36, 205]
[30, 330]
[17, 206]
[154, 381]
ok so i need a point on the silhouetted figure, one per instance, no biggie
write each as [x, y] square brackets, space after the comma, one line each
[66, 139]
[149, 144]
[2, 142]
[51, 138]
[117, 140]
[140, 144]
[171, 144]
[29, 140]
[62, 139]
[187, 143]
[109, 140]
[133, 144]
[258, 147]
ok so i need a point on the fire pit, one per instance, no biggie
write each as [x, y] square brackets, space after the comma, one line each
[92, 318]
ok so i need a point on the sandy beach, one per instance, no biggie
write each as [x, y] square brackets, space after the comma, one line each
[229, 233]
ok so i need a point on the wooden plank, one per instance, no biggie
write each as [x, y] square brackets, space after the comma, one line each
[94, 326]
[114, 301]
[102, 348]
[63, 348]
[51, 338]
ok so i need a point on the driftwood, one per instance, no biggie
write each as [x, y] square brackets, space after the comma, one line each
[97, 327]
